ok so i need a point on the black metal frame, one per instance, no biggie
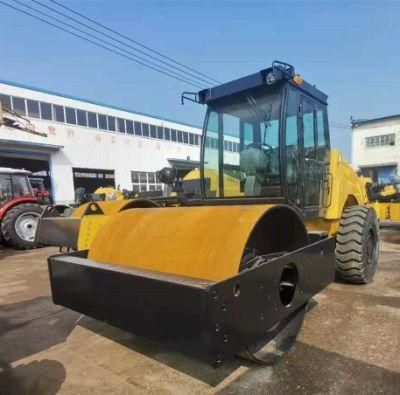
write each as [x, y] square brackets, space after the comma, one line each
[283, 73]
[53, 229]
[210, 320]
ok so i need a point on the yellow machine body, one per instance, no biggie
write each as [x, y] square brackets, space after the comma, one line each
[108, 207]
[189, 241]
[232, 184]
[382, 209]
[90, 224]
[388, 190]
[183, 227]
[200, 242]
[395, 211]
[110, 193]
[342, 188]
[153, 269]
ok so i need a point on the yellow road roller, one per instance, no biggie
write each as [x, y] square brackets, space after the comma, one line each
[385, 199]
[230, 270]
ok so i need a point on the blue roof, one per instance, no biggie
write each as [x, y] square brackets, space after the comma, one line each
[358, 122]
[32, 88]
[50, 147]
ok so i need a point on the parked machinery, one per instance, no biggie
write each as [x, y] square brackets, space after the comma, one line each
[19, 209]
[231, 271]
[39, 190]
[385, 199]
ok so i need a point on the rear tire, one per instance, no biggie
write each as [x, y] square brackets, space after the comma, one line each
[357, 245]
[18, 226]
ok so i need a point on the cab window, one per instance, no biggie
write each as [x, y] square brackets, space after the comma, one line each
[5, 188]
[292, 147]
[21, 186]
[249, 122]
[322, 135]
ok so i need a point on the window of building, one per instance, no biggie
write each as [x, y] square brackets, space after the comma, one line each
[70, 115]
[185, 137]
[58, 112]
[174, 135]
[191, 138]
[111, 124]
[45, 111]
[5, 101]
[33, 108]
[102, 121]
[121, 125]
[138, 128]
[129, 126]
[92, 120]
[153, 131]
[145, 129]
[180, 136]
[160, 132]
[144, 181]
[19, 105]
[81, 116]
[167, 134]
[380, 141]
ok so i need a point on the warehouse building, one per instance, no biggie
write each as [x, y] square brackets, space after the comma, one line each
[376, 147]
[80, 143]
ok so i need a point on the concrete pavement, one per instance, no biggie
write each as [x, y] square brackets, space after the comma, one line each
[350, 343]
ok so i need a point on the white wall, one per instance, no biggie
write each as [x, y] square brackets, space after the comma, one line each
[373, 156]
[94, 148]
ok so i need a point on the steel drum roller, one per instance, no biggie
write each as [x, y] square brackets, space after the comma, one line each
[200, 242]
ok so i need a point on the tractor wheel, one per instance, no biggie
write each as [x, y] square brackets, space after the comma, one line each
[357, 245]
[18, 225]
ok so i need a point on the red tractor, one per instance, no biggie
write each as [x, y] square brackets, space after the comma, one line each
[39, 190]
[19, 209]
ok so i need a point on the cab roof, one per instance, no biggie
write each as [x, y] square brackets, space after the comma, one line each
[9, 170]
[281, 73]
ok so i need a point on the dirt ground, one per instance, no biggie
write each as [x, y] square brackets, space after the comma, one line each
[350, 343]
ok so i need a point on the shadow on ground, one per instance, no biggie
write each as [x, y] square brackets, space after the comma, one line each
[390, 236]
[174, 359]
[43, 377]
[311, 370]
[32, 326]
[304, 370]
[7, 252]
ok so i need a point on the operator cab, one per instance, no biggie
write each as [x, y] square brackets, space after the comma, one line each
[266, 138]
[14, 183]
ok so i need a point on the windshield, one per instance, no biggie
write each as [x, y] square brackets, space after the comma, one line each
[5, 187]
[21, 186]
[241, 151]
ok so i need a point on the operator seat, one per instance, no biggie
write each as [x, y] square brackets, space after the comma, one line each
[254, 163]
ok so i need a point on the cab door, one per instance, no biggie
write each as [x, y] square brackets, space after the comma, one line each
[314, 145]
